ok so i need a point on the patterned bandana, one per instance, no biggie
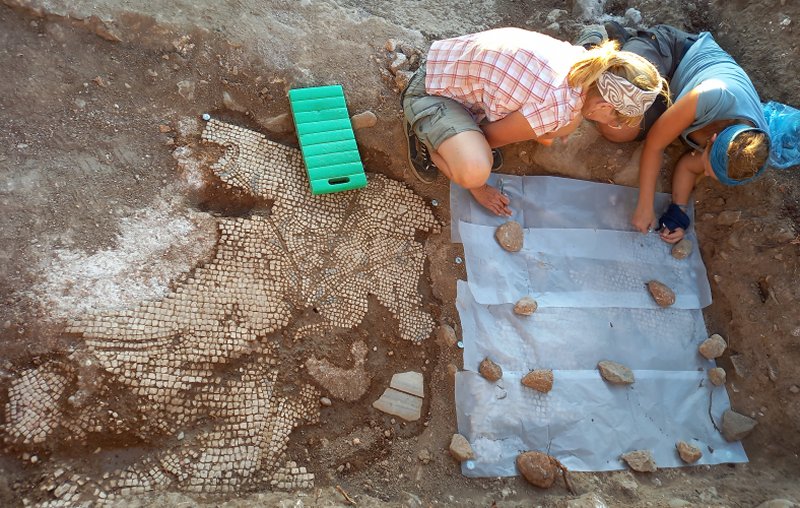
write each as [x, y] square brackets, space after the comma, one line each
[627, 98]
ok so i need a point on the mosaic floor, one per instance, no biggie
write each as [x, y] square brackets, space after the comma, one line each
[198, 369]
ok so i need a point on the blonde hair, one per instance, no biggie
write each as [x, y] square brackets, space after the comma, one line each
[747, 154]
[608, 58]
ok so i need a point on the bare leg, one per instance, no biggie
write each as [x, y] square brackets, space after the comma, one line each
[688, 168]
[466, 159]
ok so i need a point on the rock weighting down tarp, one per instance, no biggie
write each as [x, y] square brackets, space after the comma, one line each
[587, 270]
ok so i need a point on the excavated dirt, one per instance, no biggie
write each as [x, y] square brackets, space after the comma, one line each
[109, 200]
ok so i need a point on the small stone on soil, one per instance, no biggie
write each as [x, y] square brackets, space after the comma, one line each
[682, 249]
[446, 335]
[424, 456]
[460, 448]
[661, 293]
[540, 380]
[490, 370]
[713, 347]
[325, 401]
[364, 120]
[717, 376]
[689, 453]
[525, 306]
[736, 426]
[279, 124]
[588, 500]
[729, 217]
[510, 236]
[777, 503]
[640, 460]
[615, 373]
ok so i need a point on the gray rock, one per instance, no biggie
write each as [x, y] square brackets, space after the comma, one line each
[688, 452]
[447, 335]
[729, 217]
[736, 426]
[186, 89]
[231, 104]
[682, 249]
[615, 373]
[364, 120]
[588, 9]
[424, 456]
[555, 15]
[588, 500]
[626, 483]
[633, 17]
[640, 460]
[325, 401]
[677, 502]
[510, 236]
[740, 366]
[777, 503]
[409, 382]
[397, 403]
[713, 347]
[400, 63]
[525, 306]
[717, 376]
[552, 28]
[460, 448]
[280, 124]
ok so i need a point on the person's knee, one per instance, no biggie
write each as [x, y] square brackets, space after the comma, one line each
[472, 173]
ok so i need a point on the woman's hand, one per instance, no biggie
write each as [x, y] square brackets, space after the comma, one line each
[492, 199]
[644, 219]
[674, 236]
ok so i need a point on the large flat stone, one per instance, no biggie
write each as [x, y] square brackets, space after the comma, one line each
[409, 382]
[394, 402]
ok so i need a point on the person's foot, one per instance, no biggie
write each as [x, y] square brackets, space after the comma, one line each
[419, 158]
[492, 199]
[497, 159]
[591, 36]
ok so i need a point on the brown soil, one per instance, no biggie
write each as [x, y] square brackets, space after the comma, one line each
[82, 151]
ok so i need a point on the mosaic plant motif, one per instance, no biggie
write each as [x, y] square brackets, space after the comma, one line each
[198, 371]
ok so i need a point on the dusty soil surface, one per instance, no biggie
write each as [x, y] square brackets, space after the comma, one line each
[108, 199]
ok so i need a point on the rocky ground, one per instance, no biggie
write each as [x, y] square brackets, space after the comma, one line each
[108, 200]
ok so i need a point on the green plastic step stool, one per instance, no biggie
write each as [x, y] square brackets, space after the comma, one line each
[326, 139]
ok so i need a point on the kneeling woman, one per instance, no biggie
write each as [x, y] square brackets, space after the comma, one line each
[718, 113]
[485, 90]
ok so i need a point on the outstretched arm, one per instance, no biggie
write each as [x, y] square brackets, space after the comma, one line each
[515, 127]
[666, 129]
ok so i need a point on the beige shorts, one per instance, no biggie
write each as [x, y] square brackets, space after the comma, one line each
[433, 118]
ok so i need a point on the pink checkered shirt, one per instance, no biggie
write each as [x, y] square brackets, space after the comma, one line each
[497, 72]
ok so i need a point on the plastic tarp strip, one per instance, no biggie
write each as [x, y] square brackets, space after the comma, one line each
[553, 202]
[580, 268]
[572, 421]
[576, 338]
